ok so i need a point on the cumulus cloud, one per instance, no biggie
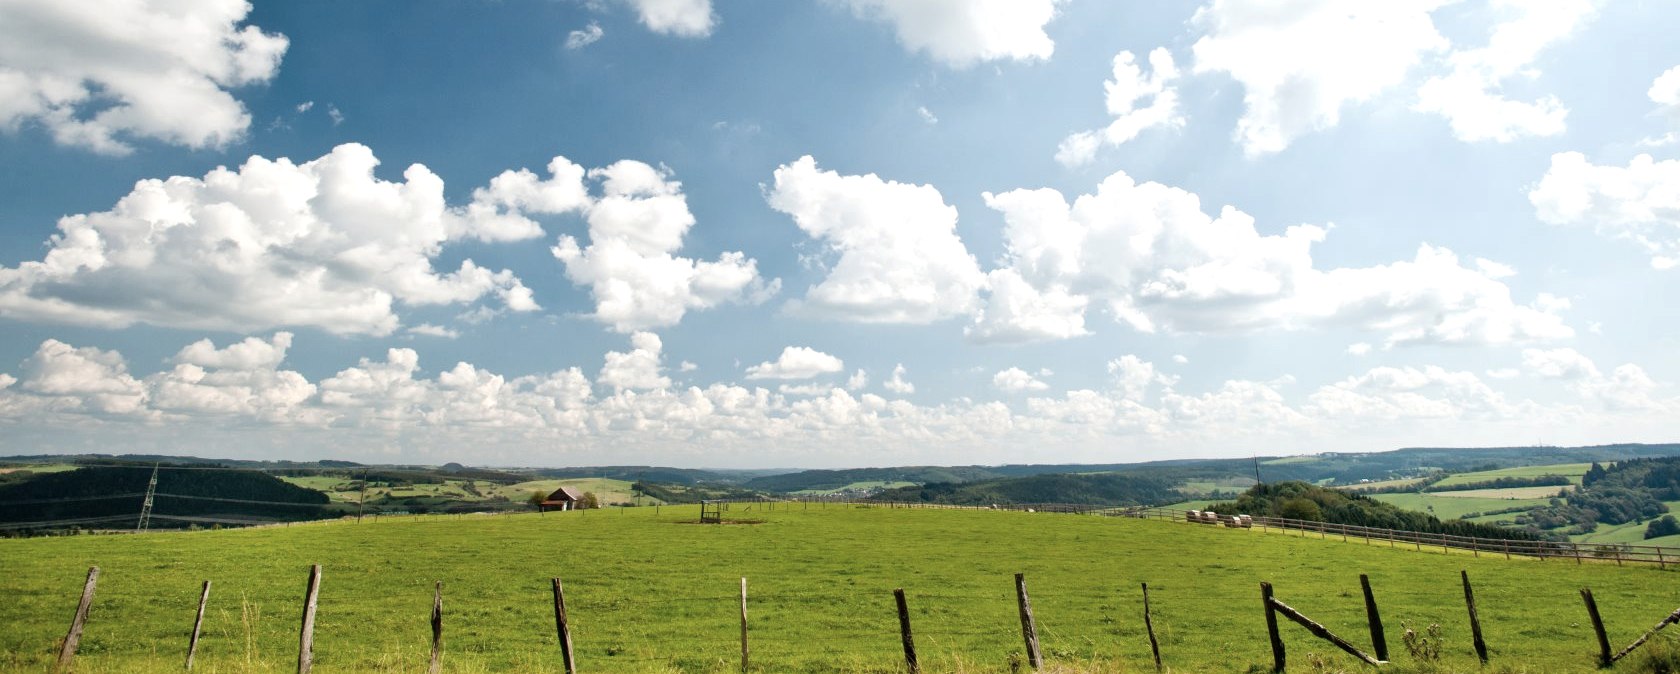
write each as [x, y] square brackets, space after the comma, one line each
[320, 244]
[683, 18]
[640, 368]
[102, 73]
[1469, 95]
[1300, 67]
[858, 381]
[635, 228]
[1017, 380]
[212, 394]
[1561, 363]
[898, 384]
[584, 36]
[1665, 92]
[900, 260]
[429, 330]
[797, 362]
[961, 33]
[1126, 90]
[1637, 203]
[1151, 257]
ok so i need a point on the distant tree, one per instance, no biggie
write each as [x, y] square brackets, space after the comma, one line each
[1301, 509]
[589, 501]
[1663, 526]
[1594, 474]
[536, 498]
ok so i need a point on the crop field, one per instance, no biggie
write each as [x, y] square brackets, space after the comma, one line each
[1573, 471]
[1449, 507]
[656, 593]
[1506, 494]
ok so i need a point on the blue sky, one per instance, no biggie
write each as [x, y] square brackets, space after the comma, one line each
[835, 232]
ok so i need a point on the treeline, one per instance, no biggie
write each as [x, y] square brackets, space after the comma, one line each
[691, 493]
[85, 493]
[1302, 501]
[1098, 489]
[1502, 483]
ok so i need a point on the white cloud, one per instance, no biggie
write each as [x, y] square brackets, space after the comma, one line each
[1561, 363]
[683, 18]
[1359, 349]
[584, 36]
[858, 381]
[1180, 359]
[1469, 95]
[629, 264]
[639, 369]
[1300, 66]
[1133, 376]
[898, 384]
[1148, 255]
[900, 260]
[1638, 203]
[1391, 393]
[797, 362]
[1125, 90]
[960, 33]
[101, 73]
[320, 244]
[86, 379]
[251, 354]
[686, 366]
[927, 115]
[1016, 380]
[429, 330]
[1665, 92]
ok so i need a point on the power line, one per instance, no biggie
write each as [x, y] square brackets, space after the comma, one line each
[79, 520]
[40, 501]
[241, 500]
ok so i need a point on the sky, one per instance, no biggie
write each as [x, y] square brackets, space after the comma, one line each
[833, 233]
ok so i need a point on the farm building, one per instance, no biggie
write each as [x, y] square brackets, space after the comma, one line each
[564, 498]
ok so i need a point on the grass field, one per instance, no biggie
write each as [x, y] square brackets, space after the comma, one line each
[1449, 507]
[1506, 494]
[651, 593]
[39, 467]
[1382, 484]
[1573, 471]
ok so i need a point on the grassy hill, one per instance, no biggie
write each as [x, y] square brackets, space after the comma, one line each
[654, 593]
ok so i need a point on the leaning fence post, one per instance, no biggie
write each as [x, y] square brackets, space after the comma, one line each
[198, 626]
[1379, 642]
[565, 630]
[1598, 628]
[904, 632]
[1475, 623]
[1271, 627]
[1149, 626]
[743, 624]
[1029, 628]
[437, 629]
[306, 635]
[68, 652]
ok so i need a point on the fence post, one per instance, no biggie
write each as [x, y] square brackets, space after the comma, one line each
[564, 628]
[1379, 641]
[437, 630]
[743, 624]
[1272, 628]
[1029, 629]
[904, 632]
[1475, 622]
[1149, 626]
[198, 626]
[306, 635]
[67, 653]
[1598, 628]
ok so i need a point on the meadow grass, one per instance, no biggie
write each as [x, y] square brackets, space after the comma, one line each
[1573, 471]
[656, 593]
[1454, 507]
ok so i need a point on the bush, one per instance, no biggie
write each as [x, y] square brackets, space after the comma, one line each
[1664, 526]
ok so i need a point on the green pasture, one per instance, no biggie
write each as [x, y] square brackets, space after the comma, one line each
[1453, 507]
[1573, 471]
[1506, 494]
[857, 486]
[651, 592]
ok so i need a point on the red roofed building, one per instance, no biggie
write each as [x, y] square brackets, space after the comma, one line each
[564, 498]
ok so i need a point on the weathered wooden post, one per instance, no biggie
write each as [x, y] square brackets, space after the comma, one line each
[1379, 642]
[437, 630]
[1029, 628]
[67, 653]
[306, 635]
[565, 630]
[904, 632]
[1475, 622]
[1598, 628]
[1149, 626]
[743, 624]
[1271, 627]
[198, 625]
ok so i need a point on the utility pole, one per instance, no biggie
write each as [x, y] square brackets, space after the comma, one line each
[146, 506]
[1257, 470]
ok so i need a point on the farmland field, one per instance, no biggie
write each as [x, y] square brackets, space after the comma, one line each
[1449, 507]
[1506, 494]
[1573, 471]
[653, 593]
[856, 486]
